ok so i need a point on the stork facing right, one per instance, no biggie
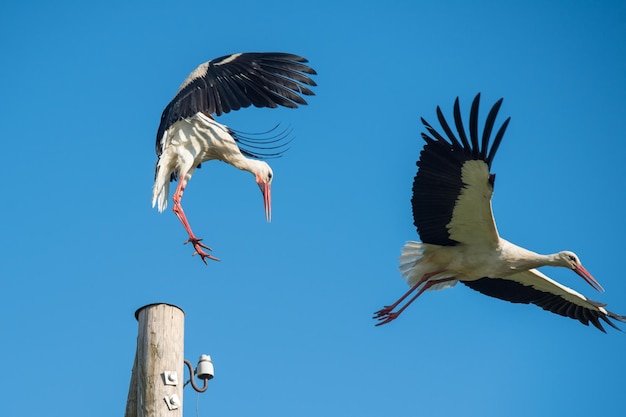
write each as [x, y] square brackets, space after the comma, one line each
[459, 240]
[188, 134]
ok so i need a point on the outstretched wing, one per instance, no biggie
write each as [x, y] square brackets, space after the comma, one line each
[533, 287]
[453, 187]
[260, 79]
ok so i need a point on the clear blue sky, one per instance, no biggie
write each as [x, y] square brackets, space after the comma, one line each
[286, 315]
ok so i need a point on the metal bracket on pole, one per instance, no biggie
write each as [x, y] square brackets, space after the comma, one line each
[173, 402]
[170, 378]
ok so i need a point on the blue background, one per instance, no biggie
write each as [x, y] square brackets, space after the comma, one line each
[286, 315]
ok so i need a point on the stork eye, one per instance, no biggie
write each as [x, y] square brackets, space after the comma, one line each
[571, 258]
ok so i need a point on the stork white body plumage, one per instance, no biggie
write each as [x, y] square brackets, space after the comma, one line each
[460, 242]
[189, 135]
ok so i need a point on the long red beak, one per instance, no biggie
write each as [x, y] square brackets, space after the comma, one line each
[266, 189]
[584, 274]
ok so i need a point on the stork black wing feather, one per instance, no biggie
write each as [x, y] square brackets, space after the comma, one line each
[491, 119]
[232, 82]
[458, 122]
[438, 181]
[432, 131]
[446, 128]
[496, 141]
[516, 292]
[473, 127]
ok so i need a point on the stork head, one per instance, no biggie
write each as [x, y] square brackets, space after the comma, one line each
[263, 174]
[570, 260]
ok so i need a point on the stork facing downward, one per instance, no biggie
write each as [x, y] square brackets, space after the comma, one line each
[452, 213]
[188, 134]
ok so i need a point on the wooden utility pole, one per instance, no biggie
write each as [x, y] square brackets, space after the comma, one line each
[156, 384]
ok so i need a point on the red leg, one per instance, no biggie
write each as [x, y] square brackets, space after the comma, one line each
[178, 210]
[386, 315]
[387, 309]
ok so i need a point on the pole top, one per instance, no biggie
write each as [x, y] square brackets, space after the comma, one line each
[156, 304]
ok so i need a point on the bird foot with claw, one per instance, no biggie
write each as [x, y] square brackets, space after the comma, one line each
[385, 315]
[383, 312]
[386, 319]
[198, 246]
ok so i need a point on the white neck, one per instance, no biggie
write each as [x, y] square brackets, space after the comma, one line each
[539, 260]
[246, 164]
[520, 258]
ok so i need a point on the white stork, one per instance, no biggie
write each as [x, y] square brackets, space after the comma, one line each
[452, 213]
[189, 135]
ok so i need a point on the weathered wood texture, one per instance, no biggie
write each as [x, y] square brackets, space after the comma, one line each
[160, 349]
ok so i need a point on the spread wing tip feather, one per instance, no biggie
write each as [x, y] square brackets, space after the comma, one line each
[584, 310]
[232, 82]
[478, 148]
